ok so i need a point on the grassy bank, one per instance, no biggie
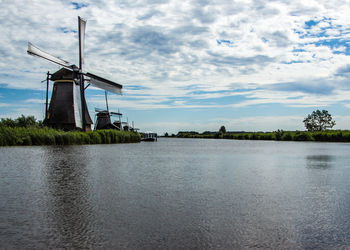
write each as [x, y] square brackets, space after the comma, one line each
[19, 136]
[324, 136]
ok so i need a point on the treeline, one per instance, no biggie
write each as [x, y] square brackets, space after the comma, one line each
[21, 122]
[279, 135]
[27, 131]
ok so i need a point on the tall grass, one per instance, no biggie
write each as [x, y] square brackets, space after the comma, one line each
[18, 136]
[280, 135]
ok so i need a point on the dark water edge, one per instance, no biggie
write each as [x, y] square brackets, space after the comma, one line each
[176, 194]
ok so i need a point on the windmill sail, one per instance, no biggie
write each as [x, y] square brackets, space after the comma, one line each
[78, 116]
[104, 83]
[82, 27]
[35, 51]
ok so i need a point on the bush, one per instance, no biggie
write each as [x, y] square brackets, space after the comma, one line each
[302, 136]
[287, 137]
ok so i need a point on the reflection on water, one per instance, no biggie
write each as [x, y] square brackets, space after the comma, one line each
[175, 193]
[70, 217]
[319, 161]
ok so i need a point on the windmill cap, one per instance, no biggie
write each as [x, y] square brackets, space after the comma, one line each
[62, 74]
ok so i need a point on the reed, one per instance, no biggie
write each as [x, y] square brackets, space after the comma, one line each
[279, 135]
[20, 136]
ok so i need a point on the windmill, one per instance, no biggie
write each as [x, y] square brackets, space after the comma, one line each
[103, 118]
[68, 109]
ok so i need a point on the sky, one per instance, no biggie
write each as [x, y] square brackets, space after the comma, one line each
[194, 65]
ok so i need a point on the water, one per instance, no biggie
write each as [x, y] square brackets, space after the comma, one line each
[176, 193]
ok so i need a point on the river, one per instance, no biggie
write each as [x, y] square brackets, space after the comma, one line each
[176, 194]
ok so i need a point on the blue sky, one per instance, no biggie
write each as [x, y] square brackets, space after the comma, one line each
[187, 65]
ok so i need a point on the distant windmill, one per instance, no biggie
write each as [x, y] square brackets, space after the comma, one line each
[103, 118]
[68, 109]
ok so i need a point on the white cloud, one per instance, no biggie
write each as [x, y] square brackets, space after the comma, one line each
[190, 51]
[4, 105]
[37, 101]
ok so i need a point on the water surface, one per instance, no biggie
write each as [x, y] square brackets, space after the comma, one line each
[176, 193]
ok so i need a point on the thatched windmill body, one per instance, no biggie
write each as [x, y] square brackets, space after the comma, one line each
[68, 109]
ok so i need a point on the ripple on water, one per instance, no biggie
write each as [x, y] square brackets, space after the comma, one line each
[176, 193]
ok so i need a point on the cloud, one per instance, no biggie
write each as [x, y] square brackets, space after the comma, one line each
[151, 39]
[278, 38]
[35, 101]
[2, 105]
[219, 60]
[197, 54]
[321, 87]
[343, 71]
[150, 14]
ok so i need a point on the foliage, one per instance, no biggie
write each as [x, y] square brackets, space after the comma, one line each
[319, 121]
[187, 134]
[21, 122]
[222, 129]
[25, 130]
[19, 136]
[279, 135]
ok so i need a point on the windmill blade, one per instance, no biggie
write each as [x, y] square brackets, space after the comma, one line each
[115, 113]
[105, 84]
[81, 28]
[99, 110]
[35, 51]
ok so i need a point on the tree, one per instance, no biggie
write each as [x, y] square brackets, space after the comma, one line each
[222, 129]
[319, 121]
[26, 121]
[22, 121]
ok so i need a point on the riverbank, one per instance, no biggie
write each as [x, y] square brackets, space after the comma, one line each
[21, 136]
[280, 135]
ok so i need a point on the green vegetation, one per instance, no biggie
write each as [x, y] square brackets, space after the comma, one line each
[26, 131]
[47, 136]
[222, 129]
[279, 135]
[318, 121]
[21, 122]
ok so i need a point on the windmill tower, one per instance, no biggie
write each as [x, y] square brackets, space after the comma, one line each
[68, 109]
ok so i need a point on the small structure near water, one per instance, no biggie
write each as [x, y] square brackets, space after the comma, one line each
[149, 136]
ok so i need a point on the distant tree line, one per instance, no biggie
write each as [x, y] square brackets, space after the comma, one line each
[279, 135]
[317, 125]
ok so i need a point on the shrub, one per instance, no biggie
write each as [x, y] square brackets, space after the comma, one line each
[302, 136]
[287, 137]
